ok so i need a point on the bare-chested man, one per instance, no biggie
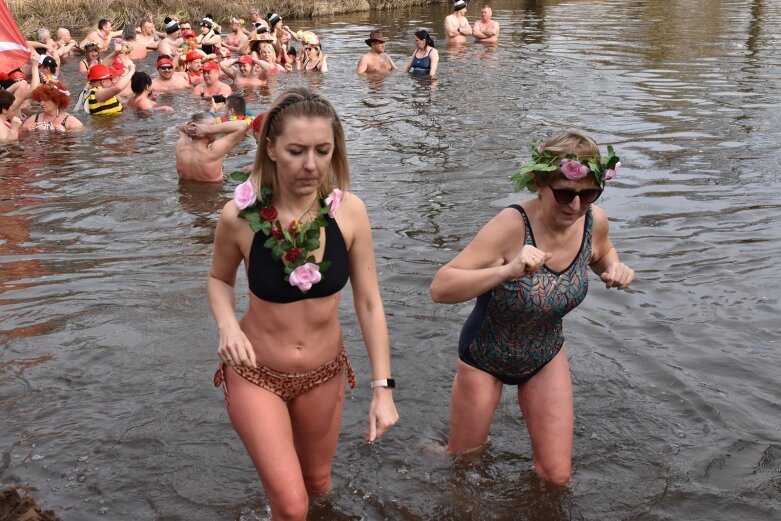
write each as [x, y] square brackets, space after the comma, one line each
[211, 84]
[65, 44]
[376, 61]
[245, 75]
[169, 44]
[456, 25]
[236, 41]
[199, 153]
[147, 35]
[101, 36]
[168, 79]
[486, 30]
[257, 20]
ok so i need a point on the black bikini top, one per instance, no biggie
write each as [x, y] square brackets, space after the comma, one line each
[266, 276]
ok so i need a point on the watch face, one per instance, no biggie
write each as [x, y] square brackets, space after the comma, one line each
[391, 383]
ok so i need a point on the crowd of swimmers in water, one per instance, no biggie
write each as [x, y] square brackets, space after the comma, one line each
[202, 59]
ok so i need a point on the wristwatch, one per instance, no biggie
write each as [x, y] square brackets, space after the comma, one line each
[390, 383]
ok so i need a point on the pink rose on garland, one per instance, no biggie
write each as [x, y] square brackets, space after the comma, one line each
[610, 174]
[573, 169]
[334, 200]
[268, 213]
[305, 275]
[244, 195]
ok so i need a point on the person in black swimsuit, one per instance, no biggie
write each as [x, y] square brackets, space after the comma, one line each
[425, 60]
[301, 237]
[527, 268]
[210, 38]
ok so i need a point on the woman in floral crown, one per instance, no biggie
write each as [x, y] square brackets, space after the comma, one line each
[527, 268]
[301, 235]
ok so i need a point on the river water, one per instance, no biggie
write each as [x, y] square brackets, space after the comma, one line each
[108, 347]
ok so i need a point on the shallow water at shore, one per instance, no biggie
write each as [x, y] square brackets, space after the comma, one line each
[108, 347]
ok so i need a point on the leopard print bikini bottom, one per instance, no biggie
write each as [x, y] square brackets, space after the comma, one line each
[289, 385]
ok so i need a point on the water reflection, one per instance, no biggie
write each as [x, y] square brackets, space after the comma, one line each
[203, 201]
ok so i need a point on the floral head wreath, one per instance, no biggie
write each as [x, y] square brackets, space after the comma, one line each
[570, 166]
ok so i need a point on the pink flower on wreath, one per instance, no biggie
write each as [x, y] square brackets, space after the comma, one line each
[305, 275]
[334, 200]
[610, 174]
[244, 195]
[573, 169]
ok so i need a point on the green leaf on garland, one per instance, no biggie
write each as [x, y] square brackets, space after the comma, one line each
[265, 226]
[311, 244]
[324, 265]
[239, 176]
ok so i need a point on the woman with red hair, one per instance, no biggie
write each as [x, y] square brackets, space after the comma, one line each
[54, 99]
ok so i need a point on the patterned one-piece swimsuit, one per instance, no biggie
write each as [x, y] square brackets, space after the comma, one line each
[515, 328]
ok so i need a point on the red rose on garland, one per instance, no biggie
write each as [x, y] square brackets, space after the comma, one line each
[268, 213]
[292, 254]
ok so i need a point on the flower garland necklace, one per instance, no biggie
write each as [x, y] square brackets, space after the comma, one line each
[292, 245]
[571, 167]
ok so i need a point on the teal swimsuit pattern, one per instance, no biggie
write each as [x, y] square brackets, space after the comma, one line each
[515, 328]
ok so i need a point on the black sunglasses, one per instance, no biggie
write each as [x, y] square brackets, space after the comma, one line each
[566, 195]
[166, 68]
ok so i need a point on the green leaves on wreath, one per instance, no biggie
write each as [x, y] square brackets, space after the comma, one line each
[239, 176]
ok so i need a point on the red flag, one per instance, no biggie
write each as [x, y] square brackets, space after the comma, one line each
[13, 46]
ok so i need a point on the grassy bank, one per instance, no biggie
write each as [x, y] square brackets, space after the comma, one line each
[81, 16]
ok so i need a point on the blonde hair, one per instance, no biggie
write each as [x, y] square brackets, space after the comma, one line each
[300, 103]
[568, 142]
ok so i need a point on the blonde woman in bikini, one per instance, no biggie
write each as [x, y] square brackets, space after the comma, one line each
[283, 364]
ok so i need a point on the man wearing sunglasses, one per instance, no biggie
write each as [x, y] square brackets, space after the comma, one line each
[527, 268]
[168, 79]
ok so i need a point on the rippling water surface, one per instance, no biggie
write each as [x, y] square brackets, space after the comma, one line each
[108, 347]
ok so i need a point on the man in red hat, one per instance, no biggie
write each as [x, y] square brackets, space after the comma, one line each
[168, 79]
[211, 85]
[102, 98]
[194, 61]
[376, 61]
[244, 75]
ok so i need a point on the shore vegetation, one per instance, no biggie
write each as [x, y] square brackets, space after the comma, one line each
[81, 16]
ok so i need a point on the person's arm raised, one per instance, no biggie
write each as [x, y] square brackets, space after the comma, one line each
[105, 93]
[234, 132]
[487, 261]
